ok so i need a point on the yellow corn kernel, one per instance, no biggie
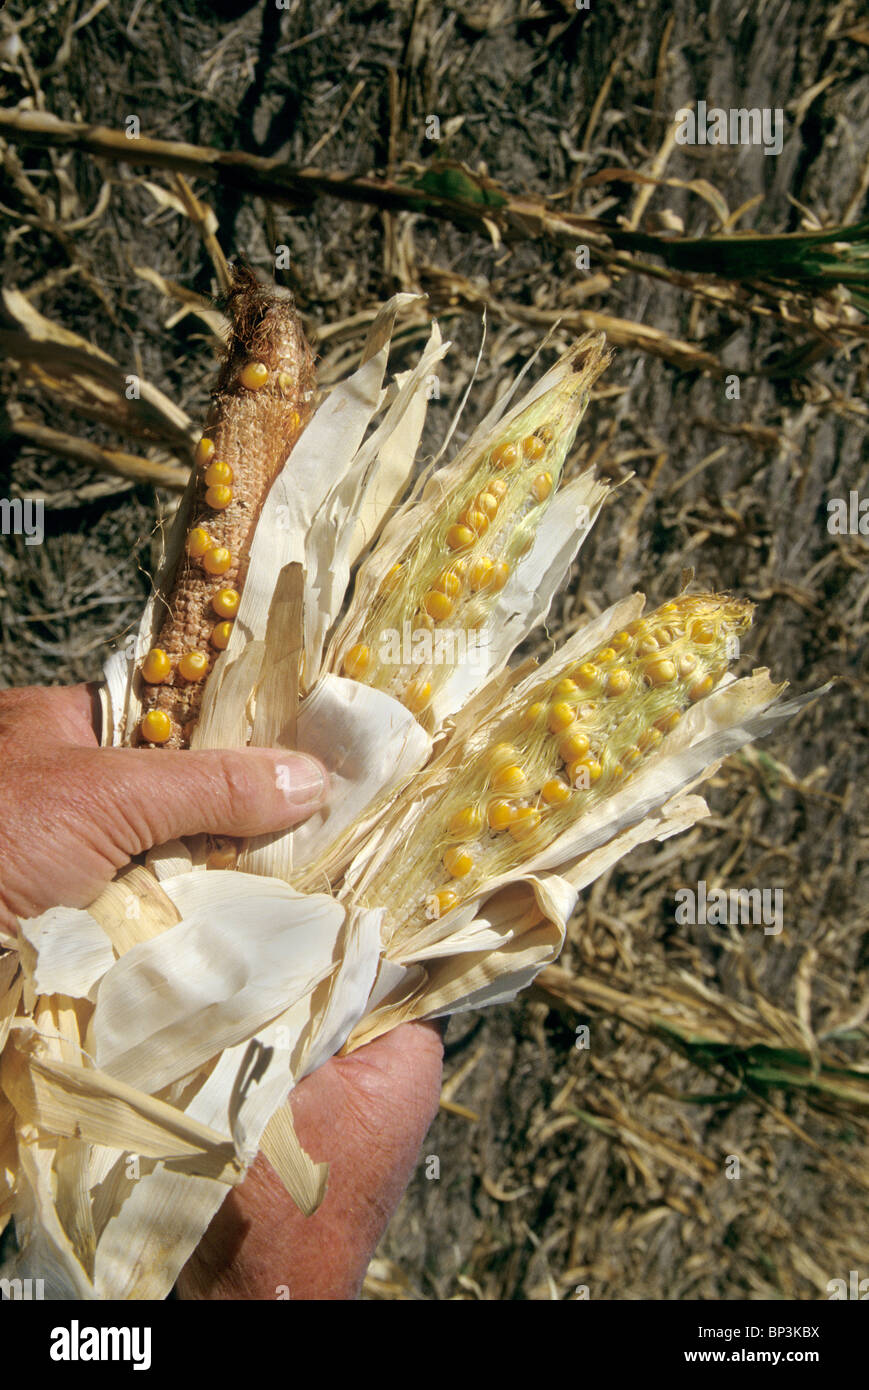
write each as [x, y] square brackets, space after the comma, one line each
[686, 664]
[647, 646]
[532, 714]
[486, 502]
[220, 635]
[218, 473]
[618, 770]
[475, 521]
[458, 862]
[449, 582]
[156, 666]
[459, 537]
[219, 497]
[444, 900]
[193, 666]
[561, 716]
[668, 722]
[527, 819]
[587, 675]
[584, 771]
[533, 448]
[480, 574]
[565, 688]
[356, 661]
[198, 541]
[605, 656]
[504, 455]
[620, 641]
[417, 695]
[501, 754]
[500, 575]
[650, 739]
[391, 579]
[156, 727]
[701, 688]
[204, 452]
[501, 814]
[546, 433]
[225, 603]
[254, 375]
[542, 486]
[702, 631]
[509, 779]
[660, 672]
[554, 792]
[466, 823]
[497, 488]
[632, 754]
[437, 605]
[618, 681]
[217, 560]
[573, 747]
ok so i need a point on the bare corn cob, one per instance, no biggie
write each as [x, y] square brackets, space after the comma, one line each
[261, 404]
[440, 593]
[578, 738]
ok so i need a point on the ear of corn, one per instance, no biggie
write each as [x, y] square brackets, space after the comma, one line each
[439, 595]
[578, 738]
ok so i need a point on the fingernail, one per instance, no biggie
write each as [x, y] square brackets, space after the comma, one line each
[301, 779]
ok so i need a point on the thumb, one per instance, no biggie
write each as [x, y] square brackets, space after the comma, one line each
[80, 814]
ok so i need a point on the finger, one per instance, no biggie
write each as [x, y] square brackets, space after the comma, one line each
[65, 714]
[81, 814]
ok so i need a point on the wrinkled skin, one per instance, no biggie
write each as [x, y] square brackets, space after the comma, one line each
[75, 813]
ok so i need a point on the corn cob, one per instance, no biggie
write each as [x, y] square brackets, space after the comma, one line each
[261, 404]
[576, 740]
[442, 590]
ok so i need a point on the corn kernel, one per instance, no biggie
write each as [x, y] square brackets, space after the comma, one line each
[480, 573]
[546, 433]
[618, 681]
[467, 822]
[574, 746]
[225, 603]
[647, 646]
[448, 582]
[554, 792]
[254, 375]
[527, 819]
[475, 521]
[561, 716]
[702, 632]
[668, 722]
[660, 672]
[620, 641]
[532, 714]
[459, 537]
[458, 862]
[219, 497]
[501, 754]
[542, 486]
[498, 488]
[220, 635]
[444, 900]
[486, 502]
[198, 541]
[500, 575]
[218, 473]
[204, 452]
[504, 455]
[356, 661]
[587, 675]
[437, 605]
[686, 664]
[217, 560]
[584, 771]
[533, 447]
[605, 656]
[156, 727]
[565, 688]
[632, 754]
[509, 779]
[501, 814]
[193, 666]
[391, 579]
[701, 688]
[650, 739]
[156, 666]
[417, 695]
